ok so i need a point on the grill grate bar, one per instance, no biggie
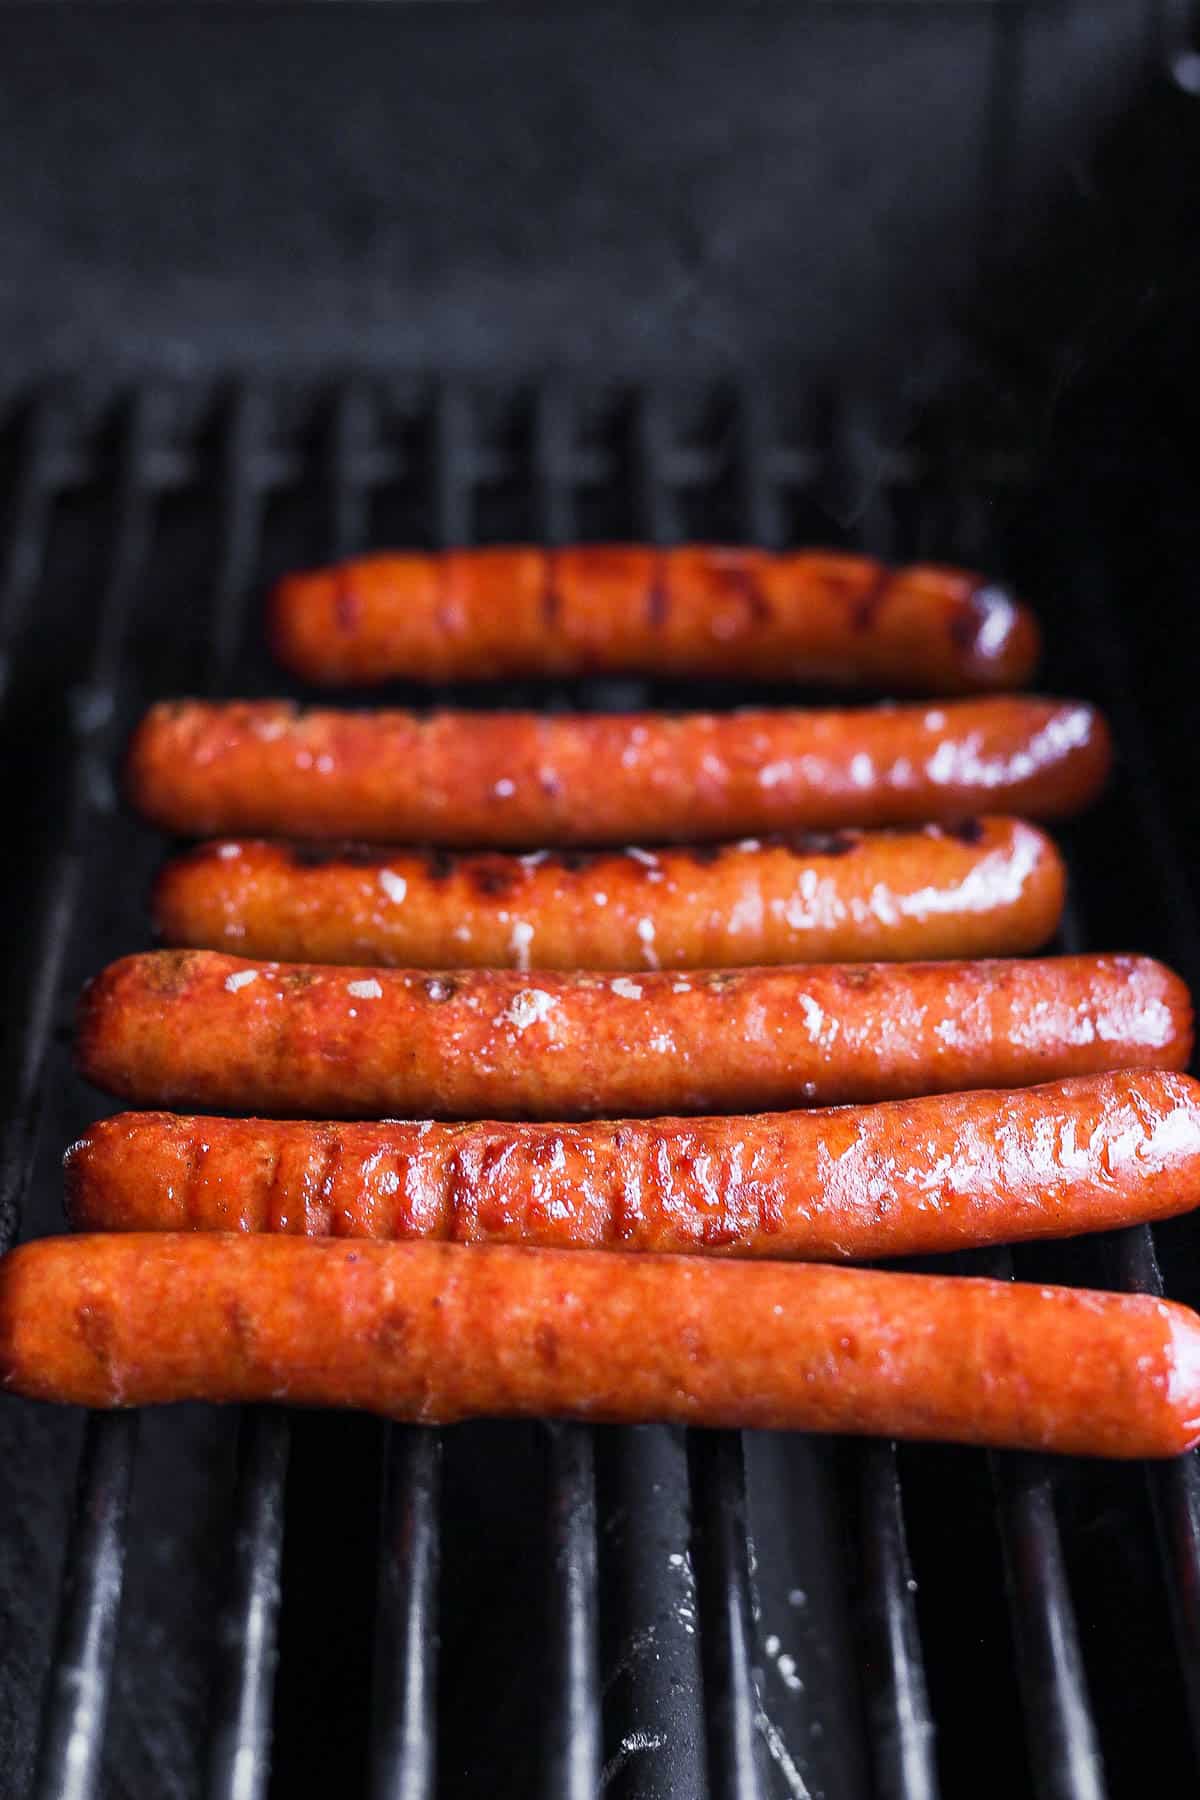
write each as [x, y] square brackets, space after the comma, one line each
[903, 1734]
[404, 1698]
[573, 1738]
[240, 1735]
[71, 1738]
[403, 1748]
[1064, 1748]
[27, 526]
[716, 1469]
[902, 1729]
[76, 1700]
[722, 1557]
[1174, 1487]
[240, 1732]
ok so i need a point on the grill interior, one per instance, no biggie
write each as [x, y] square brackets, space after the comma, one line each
[250, 1606]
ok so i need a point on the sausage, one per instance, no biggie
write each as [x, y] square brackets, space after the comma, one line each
[196, 1029]
[438, 1332]
[491, 779]
[812, 616]
[910, 1177]
[986, 887]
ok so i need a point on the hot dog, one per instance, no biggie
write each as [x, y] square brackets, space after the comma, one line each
[903, 1178]
[813, 616]
[989, 887]
[195, 1029]
[533, 779]
[437, 1332]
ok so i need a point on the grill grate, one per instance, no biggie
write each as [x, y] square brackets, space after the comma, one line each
[654, 1670]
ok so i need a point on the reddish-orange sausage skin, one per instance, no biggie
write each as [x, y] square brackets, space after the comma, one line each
[195, 1029]
[814, 616]
[905, 1178]
[437, 1332]
[988, 887]
[491, 779]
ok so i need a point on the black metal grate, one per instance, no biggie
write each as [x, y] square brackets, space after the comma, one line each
[652, 1659]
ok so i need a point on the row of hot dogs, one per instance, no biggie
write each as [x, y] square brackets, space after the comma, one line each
[437, 1270]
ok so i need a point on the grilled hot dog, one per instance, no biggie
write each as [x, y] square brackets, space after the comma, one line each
[438, 1332]
[815, 616]
[532, 779]
[904, 1178]
[193, 1028]
[986, 887]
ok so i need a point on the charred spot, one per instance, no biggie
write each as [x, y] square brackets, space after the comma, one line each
[347, 608]
[551, 601]
[549, 783]
[865, 609]
[492, 878]
[320, 856]
[574, 862]
[167, 971]
[718, 981]
[545, 1344]
[390, 1331]
[964, 625]
[856, 975]
[967, 831]
[442, 987]
[818, 843]
[657, 603]
[440, 864]
[704, 854]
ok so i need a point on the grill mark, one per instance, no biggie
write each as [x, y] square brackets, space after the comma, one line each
[658, 603]
[241, 1331]
[273, 1200]
[197, 1152]
[864, 609]
[96, 1329]
[334, 1156]
[551, 599]
[742, 578]
[545, 1344]
[347, 606]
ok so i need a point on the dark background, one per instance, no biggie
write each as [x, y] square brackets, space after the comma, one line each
[815, 191]
[914, 227]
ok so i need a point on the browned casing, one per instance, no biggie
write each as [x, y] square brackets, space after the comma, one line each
[809, 616]
[984, 887]
[200, 1030]
[902, 1178]
[439, 1332]
[534, 780]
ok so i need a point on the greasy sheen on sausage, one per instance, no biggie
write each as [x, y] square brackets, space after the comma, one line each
[985, 887]
[440, 1332]
[193, 1029]
[532, 780]
[810, 616]
[909, 1177]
